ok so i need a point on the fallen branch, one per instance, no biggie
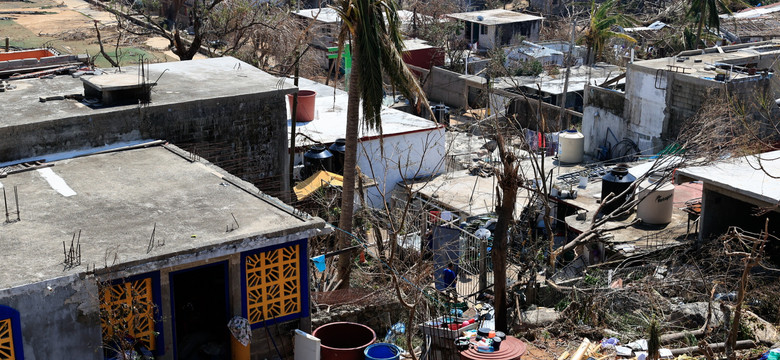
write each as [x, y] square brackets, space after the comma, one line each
[715, 347]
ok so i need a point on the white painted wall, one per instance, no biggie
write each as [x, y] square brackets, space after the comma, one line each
[487, 41]
[405, 156]
[646, 103]
[595, 122]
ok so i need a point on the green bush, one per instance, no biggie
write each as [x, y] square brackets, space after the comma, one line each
[529, 68]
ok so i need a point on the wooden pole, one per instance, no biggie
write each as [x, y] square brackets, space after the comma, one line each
[292, 125]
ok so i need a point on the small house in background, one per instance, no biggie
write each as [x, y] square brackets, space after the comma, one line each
[408, 147]
[758, 23]
[498, 27]
[325, 24]
[578, 52]
[661, 94]
[419, 53]
[529, 51]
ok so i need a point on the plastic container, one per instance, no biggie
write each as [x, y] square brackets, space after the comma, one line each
[344, 340]
[338, 148]
[496, 343]
[616, 181]
[316, 159]
[572, 146]
[774, 354]
[656, 202]
[382, 351]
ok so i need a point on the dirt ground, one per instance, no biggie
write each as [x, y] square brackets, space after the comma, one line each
[68, 26]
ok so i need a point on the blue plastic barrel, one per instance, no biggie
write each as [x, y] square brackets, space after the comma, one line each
[382, 351]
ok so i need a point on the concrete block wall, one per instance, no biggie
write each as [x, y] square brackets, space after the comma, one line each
[62, 314]
[447, 87]
[246, 135]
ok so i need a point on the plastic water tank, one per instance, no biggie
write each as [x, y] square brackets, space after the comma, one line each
[656, 200]
[572, 146]
[616, 181]
[337, 149]
[316, 159]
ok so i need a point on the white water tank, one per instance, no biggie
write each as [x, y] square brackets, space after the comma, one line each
[657, 197]
[572, 146]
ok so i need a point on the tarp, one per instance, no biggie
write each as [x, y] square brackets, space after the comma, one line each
[316, 181]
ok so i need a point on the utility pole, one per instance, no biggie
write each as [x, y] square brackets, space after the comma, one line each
[562, 101]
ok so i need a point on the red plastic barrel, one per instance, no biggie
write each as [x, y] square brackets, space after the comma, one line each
[344, 340]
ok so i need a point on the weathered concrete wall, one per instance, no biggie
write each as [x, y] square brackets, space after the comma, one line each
[379, 317]
[453, 89]
[59, 318]
[446, 87]
[603, 112]
[646, 108]
[245, 135]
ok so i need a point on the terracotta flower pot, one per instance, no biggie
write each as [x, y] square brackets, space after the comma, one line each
[305, 111]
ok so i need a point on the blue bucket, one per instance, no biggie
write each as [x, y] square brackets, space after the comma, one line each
[382, 351]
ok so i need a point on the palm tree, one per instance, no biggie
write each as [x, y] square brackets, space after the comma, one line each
[705, 12]
[374, 29]
[603, 17]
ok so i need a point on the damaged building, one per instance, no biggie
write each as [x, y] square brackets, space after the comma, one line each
[222, 109]
[187, 244]
[661, 94]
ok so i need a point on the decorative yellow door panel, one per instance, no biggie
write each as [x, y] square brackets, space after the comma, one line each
[6, 340]
[11, 347]
[128, 308]
[276, 283]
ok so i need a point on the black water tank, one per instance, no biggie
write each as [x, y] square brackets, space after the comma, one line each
[316, 159]
[441, 113]
[616, 181]
[337, 149]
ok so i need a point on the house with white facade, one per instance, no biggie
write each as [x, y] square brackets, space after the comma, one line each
[498, 27]
[408, 147]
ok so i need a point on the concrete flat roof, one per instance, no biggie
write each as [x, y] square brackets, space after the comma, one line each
[699, 63]
[328, 15]
[640, 236]
[115, 199]
[324, 14]
[330, 118]
[416, 44]
[474, 195]
[743, 175]
[494, 17]
[179, 82]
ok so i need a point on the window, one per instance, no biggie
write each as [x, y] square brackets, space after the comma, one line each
[482, 29]
[276, 283]
[131, 308]
[10, 335]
